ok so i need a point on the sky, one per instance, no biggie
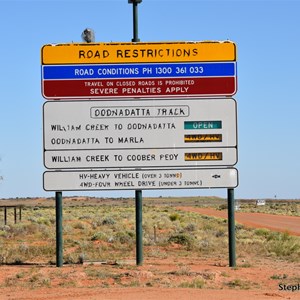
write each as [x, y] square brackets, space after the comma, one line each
[266, 34]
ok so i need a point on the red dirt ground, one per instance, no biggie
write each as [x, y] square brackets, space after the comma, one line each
[259, 280]
[148, 294]
[279, 223]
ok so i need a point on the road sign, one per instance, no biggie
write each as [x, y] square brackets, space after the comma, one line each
[97, 71]
[134, 124]
[140, 158]
[95, 53]
[148, 133]
[142, 179]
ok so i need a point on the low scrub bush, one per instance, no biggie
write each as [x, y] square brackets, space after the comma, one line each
[126, 237]
[182, 239]
[99, 236]
[283, 245]
[108, 221]
[197, 283]
[174, 217]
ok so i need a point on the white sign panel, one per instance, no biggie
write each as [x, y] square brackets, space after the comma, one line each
[138, 158]
[141, 179]
[260, 202]
[136, 124]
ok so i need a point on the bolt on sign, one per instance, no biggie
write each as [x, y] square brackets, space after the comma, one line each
[118, 70]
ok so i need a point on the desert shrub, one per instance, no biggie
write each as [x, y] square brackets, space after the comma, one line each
[197, 283]
[5, 228]
[79, 225]
[2, 257]
[108, 221]
[43, 220]
[18, 230]
[182, 239]
[240, 284]
[283, 245]
[222, 207]
[85, 217]
[124, 237]
[24, 248]
[99, 236]
[174, 217]
[220, 233]
[164, 223]
[3, 233]
[74, 258]
[262, 232]
[22, 253]
[190, 227]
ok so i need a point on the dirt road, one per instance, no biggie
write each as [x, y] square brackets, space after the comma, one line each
[280, 223]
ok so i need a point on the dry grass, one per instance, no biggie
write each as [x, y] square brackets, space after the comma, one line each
[106, 233]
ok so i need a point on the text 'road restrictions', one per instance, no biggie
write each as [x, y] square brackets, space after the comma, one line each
[141, 179]
[96, 53]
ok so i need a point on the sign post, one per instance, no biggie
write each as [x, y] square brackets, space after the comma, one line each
[138, 193]
[231, 227]
[59, 229]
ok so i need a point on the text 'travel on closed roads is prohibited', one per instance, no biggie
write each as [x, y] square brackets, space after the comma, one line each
[118, 70]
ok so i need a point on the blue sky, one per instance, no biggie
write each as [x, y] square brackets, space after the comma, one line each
[267, 37]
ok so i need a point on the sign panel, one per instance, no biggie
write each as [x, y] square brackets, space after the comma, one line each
[140, 158]
[95, 53]
[141, 179]
[147, 124]
[97, 71]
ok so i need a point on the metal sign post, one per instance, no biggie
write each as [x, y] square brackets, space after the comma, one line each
[138, 193]
[59, 230]
[231, 227]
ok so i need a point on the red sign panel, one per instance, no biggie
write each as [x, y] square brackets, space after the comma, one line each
[153, 87]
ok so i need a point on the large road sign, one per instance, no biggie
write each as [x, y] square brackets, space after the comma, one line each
[97, 71]
[80, 180]
[95, 134]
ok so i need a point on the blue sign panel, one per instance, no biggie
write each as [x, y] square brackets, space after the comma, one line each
[149, 70]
